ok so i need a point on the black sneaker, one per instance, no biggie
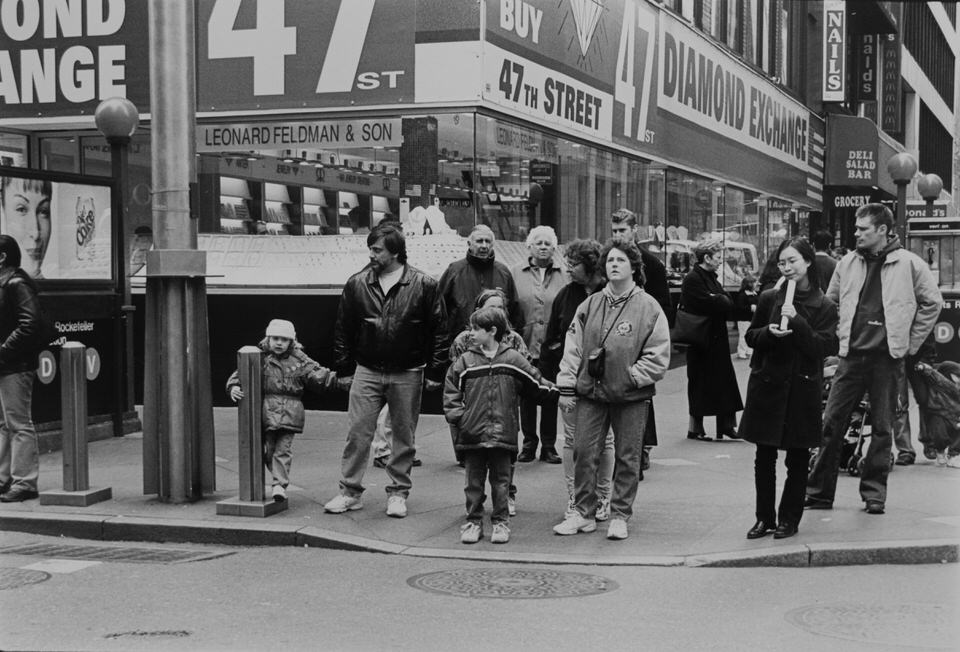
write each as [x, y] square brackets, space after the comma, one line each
[905, 459]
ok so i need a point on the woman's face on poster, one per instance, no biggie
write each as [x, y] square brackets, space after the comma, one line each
[26, 217]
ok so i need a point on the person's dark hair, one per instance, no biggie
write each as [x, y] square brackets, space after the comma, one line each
[706, 248]
[770, 273]
[822, 240]
[9, 246]
[487, 318]
[586, 251]
[41, 186]
[626, 216]
[486, 295]
[393, 240]
[879, 214]
[633, 255]
[805, 249]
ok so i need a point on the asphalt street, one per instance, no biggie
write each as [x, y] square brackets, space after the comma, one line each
[307, 599]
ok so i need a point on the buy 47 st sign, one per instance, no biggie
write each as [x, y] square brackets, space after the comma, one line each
[262, 54]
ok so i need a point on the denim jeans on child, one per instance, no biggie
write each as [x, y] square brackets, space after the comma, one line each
[478, 464]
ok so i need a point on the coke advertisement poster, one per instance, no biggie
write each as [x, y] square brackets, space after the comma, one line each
[63, 227]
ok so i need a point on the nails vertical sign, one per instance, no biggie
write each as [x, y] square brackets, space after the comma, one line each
[834, 51]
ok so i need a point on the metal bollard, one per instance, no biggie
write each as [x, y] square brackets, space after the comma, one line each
[73, 402]
[251, 501]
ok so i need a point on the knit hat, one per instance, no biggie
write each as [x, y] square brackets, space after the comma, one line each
[281, 328]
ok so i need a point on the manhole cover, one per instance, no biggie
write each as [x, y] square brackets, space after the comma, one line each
[906, 625]
[14, 578]
[512, 583]
[112, 553]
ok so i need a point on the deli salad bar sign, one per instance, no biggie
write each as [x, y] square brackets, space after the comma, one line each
[59, 58]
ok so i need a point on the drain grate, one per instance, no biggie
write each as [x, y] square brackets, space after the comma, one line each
[512, 583]
[174, 633]
[112, 553]
[14, 578]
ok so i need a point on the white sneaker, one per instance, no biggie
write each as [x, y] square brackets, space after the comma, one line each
[342, 503]
[954, 462]
[396, 506]
[511, 508]
[617, 529]
[501, 533]
[942, 458]
[279, 493]
[470, 533]
[574, 524]
[603, 509]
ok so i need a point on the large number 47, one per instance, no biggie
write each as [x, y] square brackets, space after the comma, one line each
[625, 87]
[271, 40]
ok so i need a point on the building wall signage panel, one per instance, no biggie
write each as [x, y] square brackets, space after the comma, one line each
[655, 85]
[280, 54]
[313, 134]
[919, 209]
[59, 58]
[834, 50]
[852, 159]
[892, 84]
[866, 58]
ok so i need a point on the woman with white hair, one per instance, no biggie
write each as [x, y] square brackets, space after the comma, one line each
[538, 280]
[711, 381]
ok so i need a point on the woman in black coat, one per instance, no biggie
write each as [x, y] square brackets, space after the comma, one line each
[711, 382]
[785, 388]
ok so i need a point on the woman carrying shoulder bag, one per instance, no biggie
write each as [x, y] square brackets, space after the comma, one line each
[783, 410]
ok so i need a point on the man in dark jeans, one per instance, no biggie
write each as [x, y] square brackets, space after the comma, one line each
[889, 303]
[20, 344]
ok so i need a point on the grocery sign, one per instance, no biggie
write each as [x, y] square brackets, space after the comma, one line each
[284, 54]
[63, 58]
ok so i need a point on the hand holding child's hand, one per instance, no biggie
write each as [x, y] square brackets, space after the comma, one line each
[431, 385]
[568, 403]
[344, 383]
[236, 393]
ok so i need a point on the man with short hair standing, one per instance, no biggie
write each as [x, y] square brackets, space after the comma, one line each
[889, 303]
[21, 331]
[390, 334]
[465, 279]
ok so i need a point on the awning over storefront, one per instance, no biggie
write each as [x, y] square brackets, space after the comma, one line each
[856, 155]
[871, 17]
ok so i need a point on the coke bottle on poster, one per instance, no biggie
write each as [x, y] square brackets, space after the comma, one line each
[86, 227]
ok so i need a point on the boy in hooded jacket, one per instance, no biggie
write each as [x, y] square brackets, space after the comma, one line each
[287, 373]
[481, 398]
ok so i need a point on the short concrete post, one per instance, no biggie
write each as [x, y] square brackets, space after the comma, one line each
[73, 403]
[251, 501]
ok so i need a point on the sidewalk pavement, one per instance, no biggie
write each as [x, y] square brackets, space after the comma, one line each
[693, 508]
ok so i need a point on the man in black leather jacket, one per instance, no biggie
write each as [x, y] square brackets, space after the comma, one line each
[20, 343]
[390, 334]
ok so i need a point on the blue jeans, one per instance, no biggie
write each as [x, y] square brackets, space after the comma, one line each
[594, 419]
[278, 455]
[878, 374]
[370, 391]
[19, 450]
[478, 463]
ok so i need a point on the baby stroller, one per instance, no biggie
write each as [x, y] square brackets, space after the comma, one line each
[851, 451]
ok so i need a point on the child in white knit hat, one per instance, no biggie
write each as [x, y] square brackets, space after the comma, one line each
[287, 372]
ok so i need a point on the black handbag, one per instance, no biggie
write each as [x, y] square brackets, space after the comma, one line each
[690, 329]
[597, 358]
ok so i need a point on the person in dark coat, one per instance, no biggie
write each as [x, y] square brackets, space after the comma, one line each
[465, 279]
[822, 244]
[711, 382]
[784, 391]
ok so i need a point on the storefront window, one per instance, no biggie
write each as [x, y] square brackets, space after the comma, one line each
[13, 150]
[59, 154]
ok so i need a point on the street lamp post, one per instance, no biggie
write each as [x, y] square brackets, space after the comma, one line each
[117, 119]
[930, 186]
[902, 167]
